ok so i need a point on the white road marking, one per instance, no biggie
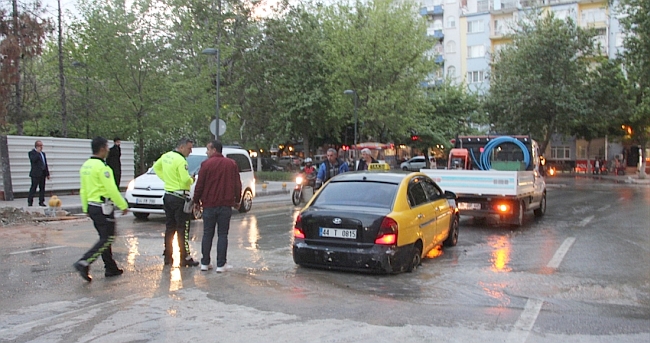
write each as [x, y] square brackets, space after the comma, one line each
[33, 250]
[561, 251]
[526, 320]
[585, 221]
[604, 208]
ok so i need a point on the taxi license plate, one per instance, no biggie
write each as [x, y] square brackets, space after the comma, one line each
[145, 201]
[468, 206]
[338, 233]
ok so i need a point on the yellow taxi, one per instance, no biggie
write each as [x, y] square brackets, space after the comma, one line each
[375, 221]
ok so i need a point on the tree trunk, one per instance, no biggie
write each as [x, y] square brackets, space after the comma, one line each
[64, 110]
[644, 155]
[18, 100]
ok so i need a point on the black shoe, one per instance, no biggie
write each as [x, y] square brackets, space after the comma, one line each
[42, 205]
[83, 271]
[189, 263]
[111, 273]
[169, 261]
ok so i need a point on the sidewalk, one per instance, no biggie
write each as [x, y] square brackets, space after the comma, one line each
[627, 178]
[72, 203]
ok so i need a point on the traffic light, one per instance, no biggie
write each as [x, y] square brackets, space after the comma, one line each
[415, 138]
[345, 147]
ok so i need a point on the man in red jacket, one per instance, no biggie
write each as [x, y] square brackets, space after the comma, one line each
[218, 189]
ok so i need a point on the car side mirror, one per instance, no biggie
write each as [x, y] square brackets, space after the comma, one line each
[450, 195]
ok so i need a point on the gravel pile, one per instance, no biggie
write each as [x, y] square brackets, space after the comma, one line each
[11, 215]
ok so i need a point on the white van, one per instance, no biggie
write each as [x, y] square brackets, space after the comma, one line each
[145, 193]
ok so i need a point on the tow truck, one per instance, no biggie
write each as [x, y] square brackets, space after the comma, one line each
[494, 176]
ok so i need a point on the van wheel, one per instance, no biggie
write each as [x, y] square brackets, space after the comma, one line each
[246, 202]
[542, 207]
[197, 212]
[416, 258]
[141, 215]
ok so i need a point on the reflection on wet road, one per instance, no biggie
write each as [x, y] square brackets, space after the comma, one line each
[575, 275]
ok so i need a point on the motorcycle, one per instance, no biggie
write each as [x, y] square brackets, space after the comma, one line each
[302, 181]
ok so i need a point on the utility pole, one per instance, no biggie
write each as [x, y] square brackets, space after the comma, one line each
[64, 110]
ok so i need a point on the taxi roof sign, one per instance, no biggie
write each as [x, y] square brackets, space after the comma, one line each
[378, 166]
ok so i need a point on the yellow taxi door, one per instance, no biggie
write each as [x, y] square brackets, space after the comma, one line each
[422, 209]
[441, 208]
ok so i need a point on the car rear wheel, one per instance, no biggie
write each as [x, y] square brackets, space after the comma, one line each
[416, 258]
[246, 202]
[141, 215]
[542, 207]
[452, 239]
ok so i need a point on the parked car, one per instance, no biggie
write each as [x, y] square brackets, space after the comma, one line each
[144, 194]
[414, 164]
[268, 164]
[375, 221]
[290, 162]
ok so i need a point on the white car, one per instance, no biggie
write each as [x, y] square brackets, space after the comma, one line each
[145, 193]
[414, 164]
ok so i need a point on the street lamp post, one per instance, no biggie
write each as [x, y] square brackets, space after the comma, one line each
[215, 52]
[356, 97]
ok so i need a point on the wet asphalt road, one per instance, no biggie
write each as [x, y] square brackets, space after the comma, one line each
[579, 274]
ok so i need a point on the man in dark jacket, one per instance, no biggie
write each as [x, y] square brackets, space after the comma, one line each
[366, 159]
[38, 172]
[113, 160]
[218, 190]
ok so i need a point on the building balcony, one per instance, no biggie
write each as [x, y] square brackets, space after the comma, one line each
[439, 59]
[435, 10]
[437, 34]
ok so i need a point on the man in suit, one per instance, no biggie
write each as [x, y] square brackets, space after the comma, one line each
[113, 160]
[38, 172]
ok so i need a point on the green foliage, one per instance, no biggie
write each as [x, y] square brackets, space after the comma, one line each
[275, 176]
[377, 48]
[538, 82]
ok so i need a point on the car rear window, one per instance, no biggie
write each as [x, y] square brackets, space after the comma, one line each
[358, 193]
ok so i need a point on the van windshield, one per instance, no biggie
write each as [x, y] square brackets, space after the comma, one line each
[194, 163]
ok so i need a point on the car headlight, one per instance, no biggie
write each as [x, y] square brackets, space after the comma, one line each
[131, 185]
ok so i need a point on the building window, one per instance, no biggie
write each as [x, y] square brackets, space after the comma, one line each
[451, 47]
[437, 25]
[438, 50]
[474, 26]
[475, 77]
[451, 22]
[475, 51]
[451, 72]
[593, 16]
[582, 152]
[560, 153]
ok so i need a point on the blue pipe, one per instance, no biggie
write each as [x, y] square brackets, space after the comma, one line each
[484, 159]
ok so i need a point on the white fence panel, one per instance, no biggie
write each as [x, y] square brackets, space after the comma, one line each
[64, 158]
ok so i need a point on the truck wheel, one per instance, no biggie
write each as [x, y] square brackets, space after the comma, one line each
[519, 219]
[542, 207]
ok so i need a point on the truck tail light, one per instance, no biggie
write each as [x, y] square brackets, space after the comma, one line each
[387, 234]
[503, 208]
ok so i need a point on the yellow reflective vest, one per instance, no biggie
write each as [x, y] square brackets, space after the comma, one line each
[96, 182]
[171, 167]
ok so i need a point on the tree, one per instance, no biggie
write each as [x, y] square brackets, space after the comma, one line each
[21, 38]
[636, 62]
[537, 84]
[377, 48]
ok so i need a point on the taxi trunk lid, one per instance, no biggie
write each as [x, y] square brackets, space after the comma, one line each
[343, 226]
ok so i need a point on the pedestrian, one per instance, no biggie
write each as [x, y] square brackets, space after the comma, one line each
[99, 195]
[331, 167]
[217, 190]
[114, 160]
[597, 166]
[366, 159]
[39, 171]
[171, 167]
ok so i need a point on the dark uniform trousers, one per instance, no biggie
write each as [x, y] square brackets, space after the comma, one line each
[105, 226]
[176, 221]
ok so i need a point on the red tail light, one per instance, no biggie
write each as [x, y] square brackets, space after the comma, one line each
[503, 208]
[297, 228]
[387, 234]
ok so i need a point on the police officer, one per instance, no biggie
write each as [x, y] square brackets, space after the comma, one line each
[99, 195]
[171, 167]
